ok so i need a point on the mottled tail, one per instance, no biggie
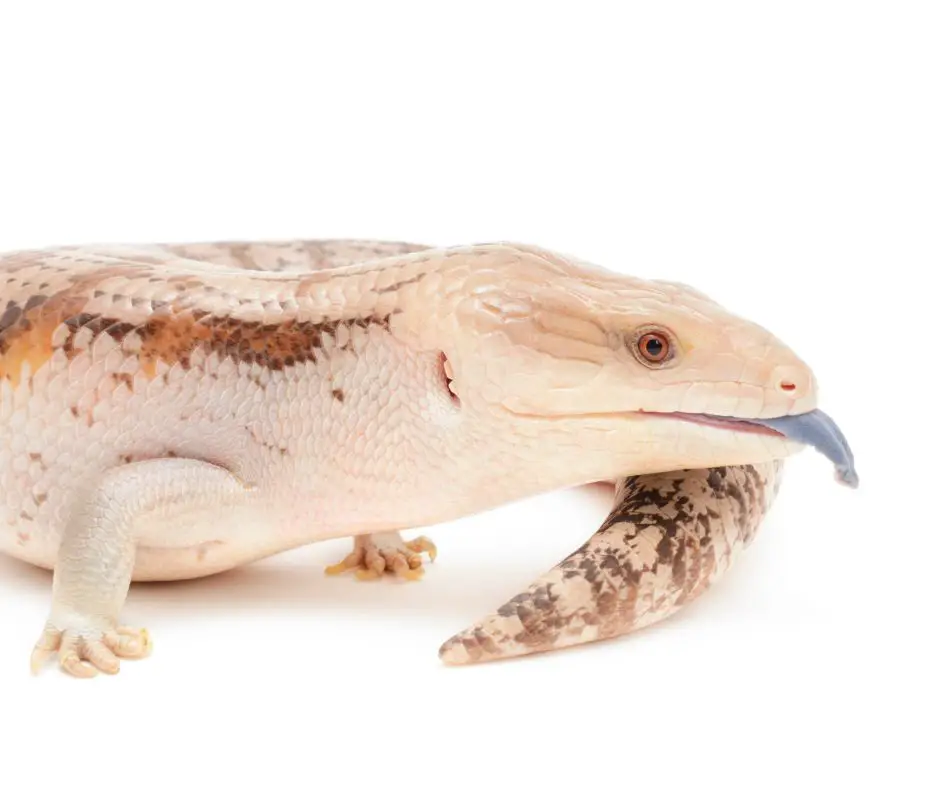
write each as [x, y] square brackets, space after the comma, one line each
[668, 537]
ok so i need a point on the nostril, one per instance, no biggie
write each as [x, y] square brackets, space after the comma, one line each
[792, 383]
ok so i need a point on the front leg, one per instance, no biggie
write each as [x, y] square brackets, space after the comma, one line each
[96, 557]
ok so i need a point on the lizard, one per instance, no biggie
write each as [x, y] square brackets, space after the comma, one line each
[174, 411]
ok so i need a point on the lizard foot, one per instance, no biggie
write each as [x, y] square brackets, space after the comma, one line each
[83, 653]
[375, 554]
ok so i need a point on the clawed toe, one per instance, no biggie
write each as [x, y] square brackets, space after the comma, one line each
[129, 642]
[423, 545]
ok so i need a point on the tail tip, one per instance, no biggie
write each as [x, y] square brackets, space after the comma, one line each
[454, 652]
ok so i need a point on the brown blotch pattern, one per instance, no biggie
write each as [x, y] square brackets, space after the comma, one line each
[48, 288]
[170, 338]
[274, 346]
[29, 320]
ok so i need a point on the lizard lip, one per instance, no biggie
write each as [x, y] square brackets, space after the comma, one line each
[814, 428]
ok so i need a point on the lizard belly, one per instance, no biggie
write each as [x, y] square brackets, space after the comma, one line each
[197, 544]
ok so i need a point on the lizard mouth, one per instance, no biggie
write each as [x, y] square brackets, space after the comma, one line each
[814, 429]
[721, 422]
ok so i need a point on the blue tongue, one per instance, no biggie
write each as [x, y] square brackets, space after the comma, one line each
[818, 430]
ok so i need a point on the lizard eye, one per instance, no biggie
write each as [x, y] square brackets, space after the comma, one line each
[653, 348]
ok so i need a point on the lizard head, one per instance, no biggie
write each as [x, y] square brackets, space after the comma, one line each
[653, 372]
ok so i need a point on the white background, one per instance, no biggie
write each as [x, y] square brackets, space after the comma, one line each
[783, 157]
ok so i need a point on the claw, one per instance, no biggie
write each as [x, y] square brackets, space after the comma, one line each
[423, 545]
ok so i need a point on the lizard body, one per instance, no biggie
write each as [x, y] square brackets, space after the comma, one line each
[173, 411]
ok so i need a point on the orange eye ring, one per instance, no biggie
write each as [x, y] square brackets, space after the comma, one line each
[653, 348]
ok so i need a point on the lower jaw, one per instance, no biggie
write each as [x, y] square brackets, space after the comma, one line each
[712, 441]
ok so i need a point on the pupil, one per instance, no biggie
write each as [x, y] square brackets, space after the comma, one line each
[654, 346]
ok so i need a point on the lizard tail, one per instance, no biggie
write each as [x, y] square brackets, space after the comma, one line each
[667, 538]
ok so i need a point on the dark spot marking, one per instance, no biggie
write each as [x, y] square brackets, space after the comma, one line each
[120, 330]
[35, 301]
[76, 322]
[10, 317]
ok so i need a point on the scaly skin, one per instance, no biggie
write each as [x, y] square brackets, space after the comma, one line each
[174, 411]
[667, 539]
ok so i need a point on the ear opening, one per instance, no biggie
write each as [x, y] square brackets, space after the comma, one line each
[447, 376]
